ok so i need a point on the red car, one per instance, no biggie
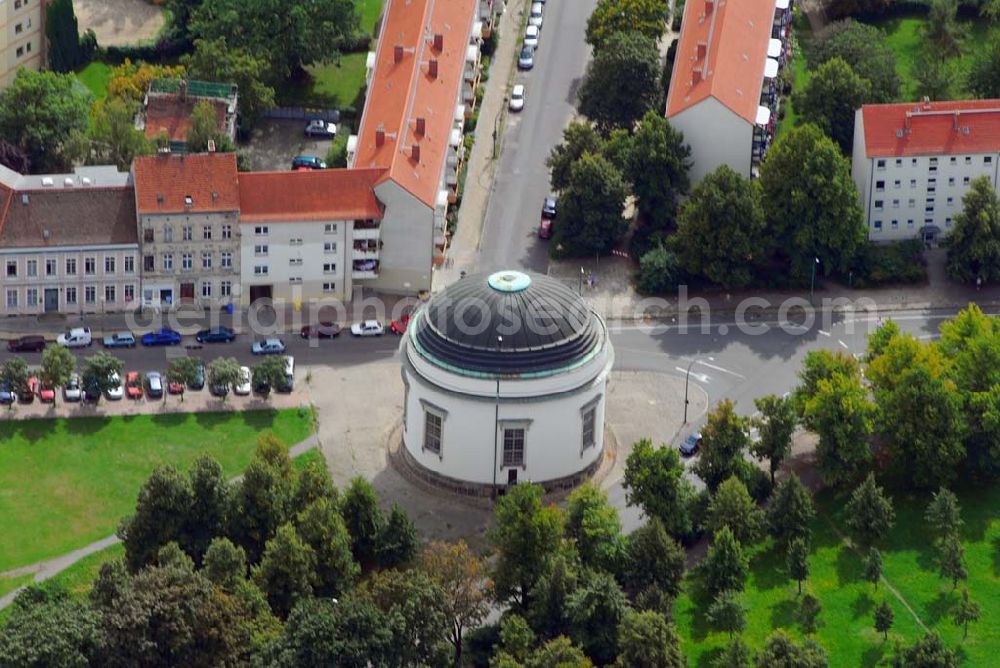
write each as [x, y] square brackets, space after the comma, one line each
[399, 326]
[322, 330]
[545, 229]
[133, 385]
[175, 387]
[27, 393]
[46, 394]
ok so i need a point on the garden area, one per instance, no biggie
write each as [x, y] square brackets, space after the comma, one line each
[846, 630]
[68, 482]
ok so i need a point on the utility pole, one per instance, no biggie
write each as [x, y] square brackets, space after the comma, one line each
[812, 281]
[687, 382]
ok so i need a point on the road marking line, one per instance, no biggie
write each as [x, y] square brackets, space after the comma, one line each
[719, 368]
[823, 333]
[842, 344]
[697, 376]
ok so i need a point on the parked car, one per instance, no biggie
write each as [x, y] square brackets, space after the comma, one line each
[7, 394]
[119, 340]
[367, 328]
[310, 161]
[198, 382]
[78, 337]
[161, 337]
[399, 326]
[268, 347]
[261, 386]
[287, 383]
[46, 393]
[243, 384]
[549, 207]
[517, 98]
[115, 388]
[526, 59]
[531, 35]
[154, 384]
[322, 330]
[133, 385]
[26, 344]
[175, 387]
[26, 394]
[545, 229]
[317, 127]
[218, 389]
[536, 16]
[691, 444]
[91, 390]
[215, 335]
[71, 390]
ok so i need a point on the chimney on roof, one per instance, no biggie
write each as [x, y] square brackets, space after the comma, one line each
[709, 6]
[421, 126]
[702, 50]
[379, 135]
[432, 68]
[415, 152]
[211, 146]
[438, 42]
[955, 120]
[695, 75]
[927, 103]
[397, 53]
[906, 122]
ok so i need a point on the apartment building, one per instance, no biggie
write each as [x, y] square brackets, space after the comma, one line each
[421, 86]
[304, 234]
[913, 162]
[22, 37]
[723, 91]
[187, 208]
[68, 243]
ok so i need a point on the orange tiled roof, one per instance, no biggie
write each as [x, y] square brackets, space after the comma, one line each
[163, 181]
[932, 128]
[402, 91]
[171, 114]
[734, 35]
[323, 194]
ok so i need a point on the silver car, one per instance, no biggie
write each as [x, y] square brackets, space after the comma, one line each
[154, 384]
[72, 391]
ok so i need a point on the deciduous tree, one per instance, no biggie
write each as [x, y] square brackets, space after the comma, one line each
[98, 370]
[725, 566]
[621, 81]
[364, 520]
[734, 655]
[775, 425]
[286, 571]
[797, 561]
[731, 506]
[974, 241]
[928, 652]
[942, 28]
[595, 611]
[397, 542]
[225, 564]
[113, 137]
[417, 611]
[864, 48]
[966, 611]
[653, 559]
[869, 513]
[830, 98]
[14, 374]
[206, 517]
[727, 613]
[791, 511]
[259, 505]
[593, 523]
[725, 437]
[322, 528]
[161, 513]
[842, 415]
[657, 166]
[579, 138]
[590, 216]
[884, 618]
[183, 371]
[648, 17]
[216, 60]
[781, 650]
[654, 480]
[58, 364]
[951, 560]
[808, 614]
[872, 571]
[943, 515]
[462, 577]
[45, 627]
[647, 640]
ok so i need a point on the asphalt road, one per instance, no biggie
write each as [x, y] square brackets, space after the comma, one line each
[510, 231]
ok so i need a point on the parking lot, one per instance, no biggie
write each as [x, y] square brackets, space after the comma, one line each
[276, 141]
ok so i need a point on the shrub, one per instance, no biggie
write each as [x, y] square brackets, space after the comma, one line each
[659, 271]
[885, 264]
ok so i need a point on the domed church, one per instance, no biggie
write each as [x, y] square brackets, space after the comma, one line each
[505, 379]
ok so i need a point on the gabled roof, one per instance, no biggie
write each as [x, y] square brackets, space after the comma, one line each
[721, 53]
[324, 194]
[931, 128]
[403, 90]
[163, 181]
[84, 216]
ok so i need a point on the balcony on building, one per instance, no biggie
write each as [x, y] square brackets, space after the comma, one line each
[366, 230]
[362, 269]
[365, 249]
[769, 86]
[369, 67]
[782, 19]
[776, 49]
[352, 150]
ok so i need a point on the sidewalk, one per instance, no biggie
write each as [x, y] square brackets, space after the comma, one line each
[464, 249]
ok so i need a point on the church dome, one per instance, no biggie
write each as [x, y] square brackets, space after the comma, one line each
[508, 323]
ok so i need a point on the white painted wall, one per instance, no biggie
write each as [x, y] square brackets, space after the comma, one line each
[717, 136]
[407, 234]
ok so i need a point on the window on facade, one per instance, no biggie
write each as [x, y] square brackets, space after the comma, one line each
[895, 224]
[295, 279]
[50, 267]
[226, 260]
[965, 181]
[19, 52]
[147, 263]
[330, 247]
[260, 249]
[895, 204]
[913, 162]
[877, 225]
[911, 203]
[951, 180]
[947, 222]
[206, 232]
[260, 270]
[932, 169]
[168, 262]
[988, 160]
[909, 223]
[261, 230]
[90, 294]
[206, 289]
[17, 4]
[110, 294]
[186, 233]
[329, 287]
[880, 164]
[32, 297]
[513, 446]
[951, 200]
[225, 288]
[432, 432]
[206, 260]
[89, 265]
[27, 47]
[879, 186]
[952, 160]
[71, 296]
[329, 267]
[899, 162]
[109, 264]
[589, 421]
[968, 159]
[913, 183]
[129, 293]
[129, 264]
[896, 183]
[330, 228]
[932, 189]
[168, 233]
[31, 268]
[187, 261]
[295, 262]
[11, 268]
[12, 299]
[147, 235]
[227, 231]
[878, 204]
[932, 161]
[295, 241]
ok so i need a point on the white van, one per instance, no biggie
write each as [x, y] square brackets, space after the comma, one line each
[78, 337]
[289, 375]
[535, 18]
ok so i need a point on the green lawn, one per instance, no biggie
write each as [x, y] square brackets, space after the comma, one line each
[334, 84]
[847, 631]
[95, 77]
[369, 10]
[8, 585]
[66, 483]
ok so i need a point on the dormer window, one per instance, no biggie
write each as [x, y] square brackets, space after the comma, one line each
[188, 200]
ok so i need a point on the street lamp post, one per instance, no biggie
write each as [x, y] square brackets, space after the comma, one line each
[496, 428]
[687, 382]
[580, 286]
[812, 281]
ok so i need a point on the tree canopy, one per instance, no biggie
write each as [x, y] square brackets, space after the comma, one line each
[621, 82]
[863, 47]
[830, 98]
[648, 17]
[974, 242]
[591, 207]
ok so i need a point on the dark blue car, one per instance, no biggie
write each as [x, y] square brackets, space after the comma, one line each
[691, 445]
[215, 335]
[162, 337]
[7, 395]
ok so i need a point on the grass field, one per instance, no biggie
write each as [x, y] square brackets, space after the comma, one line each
[369, 10]
[335, 84]
[95, 77]
[846, 630]
[67, 483]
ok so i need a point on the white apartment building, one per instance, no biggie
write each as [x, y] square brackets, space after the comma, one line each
[22, 37]
[68, 243]
[912, 163]
[307, 235]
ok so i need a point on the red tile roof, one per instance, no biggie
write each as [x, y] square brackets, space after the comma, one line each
[734, 36]
[171, 114]
[324, 194]
[400, 92]
[163, 181]
[964, 126]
